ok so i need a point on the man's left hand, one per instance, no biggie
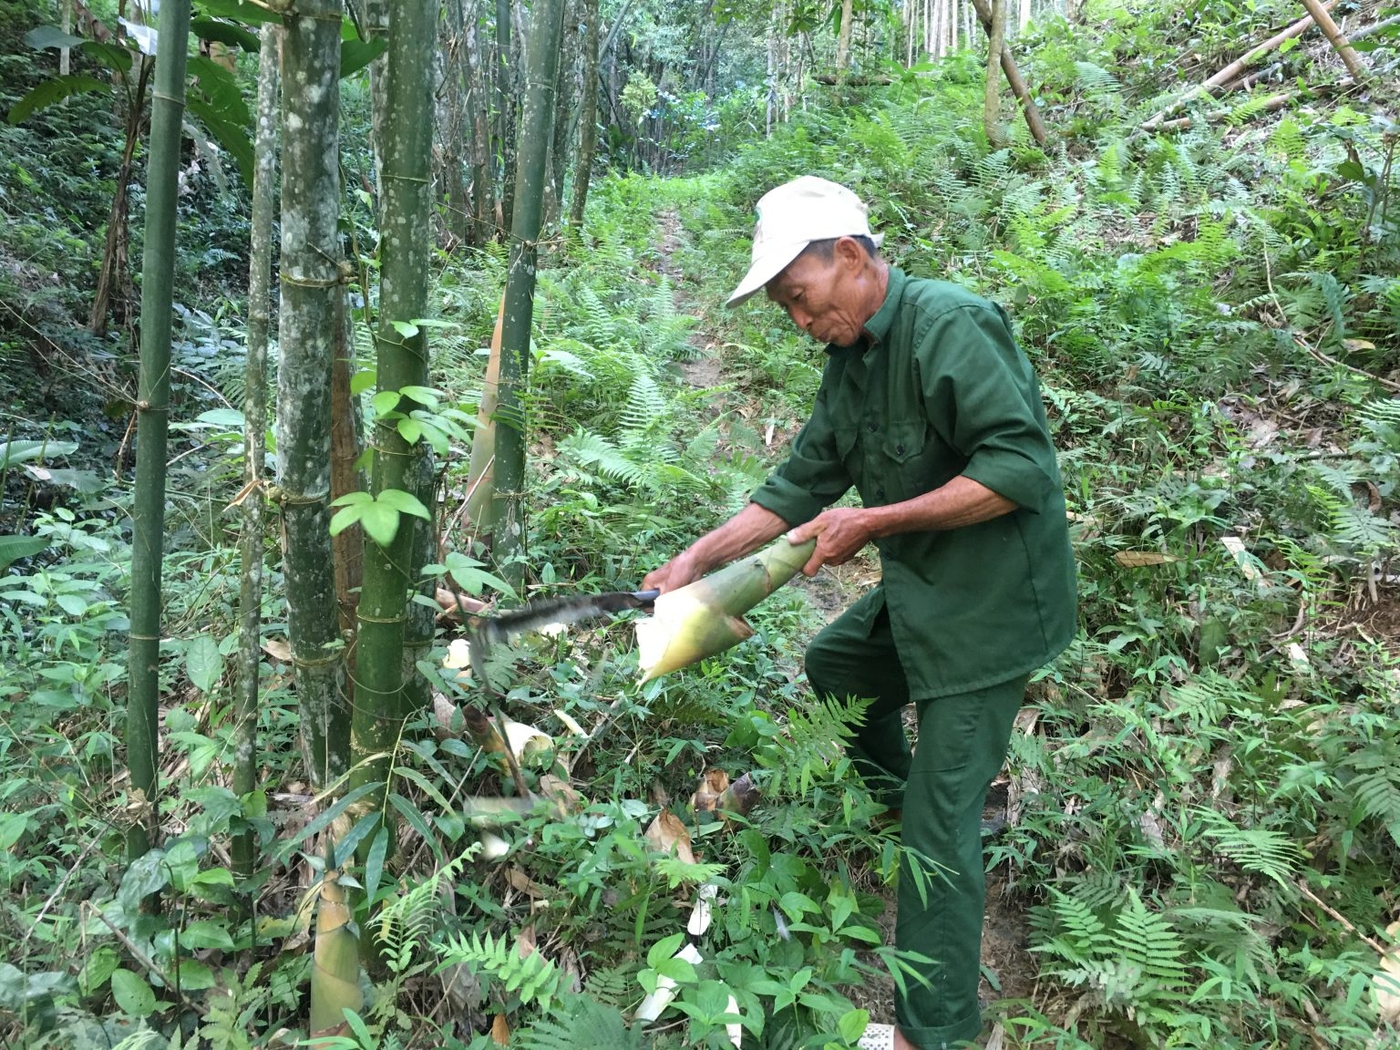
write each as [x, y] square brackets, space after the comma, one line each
[840, 533]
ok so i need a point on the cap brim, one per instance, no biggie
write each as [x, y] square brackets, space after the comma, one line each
[774, 262]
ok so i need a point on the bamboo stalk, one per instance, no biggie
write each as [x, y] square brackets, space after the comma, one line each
[706, 617]
[1235, 68]
[1338, 40]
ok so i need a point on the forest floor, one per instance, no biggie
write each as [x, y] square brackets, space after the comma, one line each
[1008, 969]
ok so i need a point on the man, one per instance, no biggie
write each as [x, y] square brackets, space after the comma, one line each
[931, 411]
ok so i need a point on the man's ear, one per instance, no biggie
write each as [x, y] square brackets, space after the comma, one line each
[849, 253]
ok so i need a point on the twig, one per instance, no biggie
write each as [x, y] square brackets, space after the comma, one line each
[1389, 384]
[1337, 916]
[146, 961]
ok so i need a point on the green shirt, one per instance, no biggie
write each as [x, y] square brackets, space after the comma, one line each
[940, 389]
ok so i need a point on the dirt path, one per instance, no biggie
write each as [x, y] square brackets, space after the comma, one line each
[1004, 941]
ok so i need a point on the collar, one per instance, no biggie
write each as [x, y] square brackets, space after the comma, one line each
[878, 326]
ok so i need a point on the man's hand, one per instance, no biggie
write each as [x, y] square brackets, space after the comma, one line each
[676, 573]
[840, 533]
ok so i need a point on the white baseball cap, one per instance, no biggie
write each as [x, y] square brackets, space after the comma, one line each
[791, 217]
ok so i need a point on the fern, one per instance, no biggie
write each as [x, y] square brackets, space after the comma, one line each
[532, 977]
[589, 1024]
[1147, 940]
[811, 744]
[1263, 851]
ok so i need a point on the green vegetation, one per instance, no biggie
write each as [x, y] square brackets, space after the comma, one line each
[1202, 805]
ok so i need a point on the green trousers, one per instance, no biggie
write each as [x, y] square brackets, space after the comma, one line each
[941, 788]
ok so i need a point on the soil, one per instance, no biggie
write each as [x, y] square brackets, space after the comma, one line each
[1004, 938]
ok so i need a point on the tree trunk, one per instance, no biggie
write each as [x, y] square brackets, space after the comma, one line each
[311, 280]
[1013, 78]
[505, 117]
[588, 117]
[392, 570]
[376, 25]
[153, 406]
[454, 126]
[536, 120]
[991, 104]
[843, 35]
[559, 143]
[245, 718]
[484, 226]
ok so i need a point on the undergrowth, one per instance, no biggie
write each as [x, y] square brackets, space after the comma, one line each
[1202, 809]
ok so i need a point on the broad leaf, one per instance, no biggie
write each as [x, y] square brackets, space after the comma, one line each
[231, 136]
[380, 522]
[56, 90]
[132, 993]
[218, 85]
[22, 451]
[406, 502]
[203, 663]
[226, 33]
[12, 548]
[42, 37]
[239, 11]
[356, 54]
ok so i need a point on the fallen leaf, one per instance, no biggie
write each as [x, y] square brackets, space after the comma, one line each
[1140, 559]
[667, 834]
[278, 649]
[712, 785]
[500, 1031]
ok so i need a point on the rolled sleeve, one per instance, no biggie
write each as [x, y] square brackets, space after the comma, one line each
[985, 402]
[813, 476]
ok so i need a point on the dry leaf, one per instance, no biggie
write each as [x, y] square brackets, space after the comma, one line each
[712, 785]
[1248, 568]
[278, 649]
[668, 835]
[1387, 981]
[527, 886]
[1139, 559]
[500, 1031]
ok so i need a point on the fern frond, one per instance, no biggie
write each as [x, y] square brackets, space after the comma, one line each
[1147, 940]
[1262, 851]
[532, 977]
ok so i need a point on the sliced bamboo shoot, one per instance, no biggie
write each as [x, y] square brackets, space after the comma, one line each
[707, 617]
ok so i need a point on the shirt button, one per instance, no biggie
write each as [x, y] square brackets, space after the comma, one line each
[880, 494]
[874, 427]
[899, 449]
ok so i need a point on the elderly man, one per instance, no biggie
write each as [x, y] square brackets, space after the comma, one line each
[932, 412]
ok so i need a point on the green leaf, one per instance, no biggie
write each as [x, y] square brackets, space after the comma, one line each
[663, 949]
[222, 417]
[385, 401]
[196, 976]
[407, 329]
[356, 54]
[113, 56]
[98, 969]
[853, 1024]
[232, 136]
[362, 380]
[380, 522]
[132, 993]
[405, 503]
[12, 452]
[343, 519]
[239, 11]
[42, 37]
[225, 33]
[424, 395]
[217, 84]
[410, 429]
[203, 663]
[353, 499]
[374, 862]
[206, 933]
[12, 548]
[55, 90]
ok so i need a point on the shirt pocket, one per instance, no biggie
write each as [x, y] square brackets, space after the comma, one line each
[902, 461]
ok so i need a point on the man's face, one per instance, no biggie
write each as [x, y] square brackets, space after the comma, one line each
[820, 295]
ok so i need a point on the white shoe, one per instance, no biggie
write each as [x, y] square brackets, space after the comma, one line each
[877, 1037]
